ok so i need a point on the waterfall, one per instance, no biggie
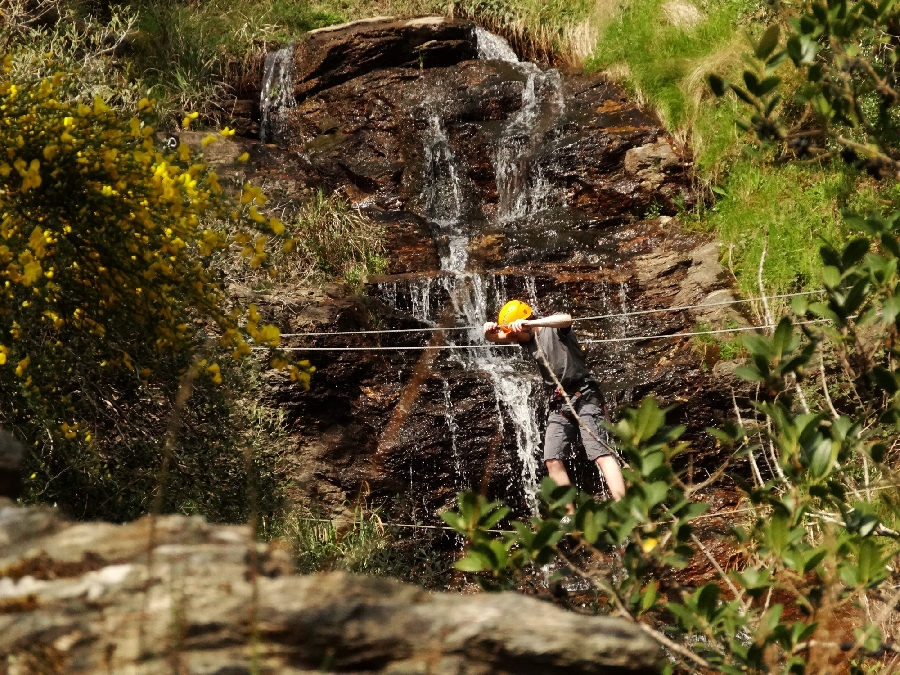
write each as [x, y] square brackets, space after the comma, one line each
[493, 47]
[522, 187]
[517, 389]
[277, 94]
[473, 297]
[515, 382]
[443, 199]
[452, 427]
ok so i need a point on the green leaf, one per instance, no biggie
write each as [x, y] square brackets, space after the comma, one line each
[591, 527]
[870, 637]
[823, 459]
[831, 277]
[718, 85]
[454, 520]
[685, 616]
[708, 599]
[854, 252]
[549, 534]
[648, 597]
[494, 517]
[745, 97]
[781, 339]
[773, 63]
[751, 81]
[867, 524]
[813, 560]
[470, 563]
[748, 373]
[767, 85]
[655, 493]
[802, 49]
[768, 42]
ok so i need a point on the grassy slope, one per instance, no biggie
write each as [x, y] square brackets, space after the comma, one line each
[753, 204]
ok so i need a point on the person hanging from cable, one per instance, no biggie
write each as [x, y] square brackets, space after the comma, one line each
[575, 404]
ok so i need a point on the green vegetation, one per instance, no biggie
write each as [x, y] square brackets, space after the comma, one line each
[820, 513]
[751, 202]
[193, 56]
[366, 545]
[336, 241]
[666, 75]
[116, 254]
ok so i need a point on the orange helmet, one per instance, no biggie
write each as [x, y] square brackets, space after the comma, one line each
[513, 311]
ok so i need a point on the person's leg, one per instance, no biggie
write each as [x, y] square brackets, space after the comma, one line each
[557, 470]
[598, 447]
[560, 433]
[612, 474]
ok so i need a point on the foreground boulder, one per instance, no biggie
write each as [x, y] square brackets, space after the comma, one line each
[175, 594]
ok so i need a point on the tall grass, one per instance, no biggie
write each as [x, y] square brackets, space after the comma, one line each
[365, 545]
[659, 61]
[335, 241]
[197, 56]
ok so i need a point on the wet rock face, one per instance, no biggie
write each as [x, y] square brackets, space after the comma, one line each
[494, 180]
[601, 160]
[188, 597]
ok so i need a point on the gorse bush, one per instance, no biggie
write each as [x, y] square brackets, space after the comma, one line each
[105, 262]
[809, 586]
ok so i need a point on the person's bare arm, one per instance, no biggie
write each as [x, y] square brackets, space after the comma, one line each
[552, 321]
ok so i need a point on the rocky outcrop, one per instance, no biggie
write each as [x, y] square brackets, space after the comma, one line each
[493, 179]
[330, 56]
[176, 594]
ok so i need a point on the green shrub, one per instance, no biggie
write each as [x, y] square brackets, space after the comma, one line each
[108, 292]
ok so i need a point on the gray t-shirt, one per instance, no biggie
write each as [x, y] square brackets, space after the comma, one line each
[564, 355]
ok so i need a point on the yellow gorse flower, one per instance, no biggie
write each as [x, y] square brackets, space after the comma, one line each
[106, 242]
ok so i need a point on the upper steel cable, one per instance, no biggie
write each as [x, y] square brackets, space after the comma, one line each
[584, 318]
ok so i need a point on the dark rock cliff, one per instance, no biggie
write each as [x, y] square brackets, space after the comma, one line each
[494, 179]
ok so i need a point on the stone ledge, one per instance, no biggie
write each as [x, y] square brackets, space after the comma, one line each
[192, 607]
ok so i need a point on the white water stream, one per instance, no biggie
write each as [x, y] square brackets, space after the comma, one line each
[277, 95]
[523, 191]
[521, 184]
[475, 298]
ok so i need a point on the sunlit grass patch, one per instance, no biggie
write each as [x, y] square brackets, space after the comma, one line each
[791, 211]
[659, 60]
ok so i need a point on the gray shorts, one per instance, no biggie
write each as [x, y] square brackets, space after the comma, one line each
[562, 432]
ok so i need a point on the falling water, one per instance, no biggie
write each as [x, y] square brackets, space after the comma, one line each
[515, 383]
[277, 94]
[521, 184]
[493, 47]
[623, 304]
[452, 427]
[443, 200]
